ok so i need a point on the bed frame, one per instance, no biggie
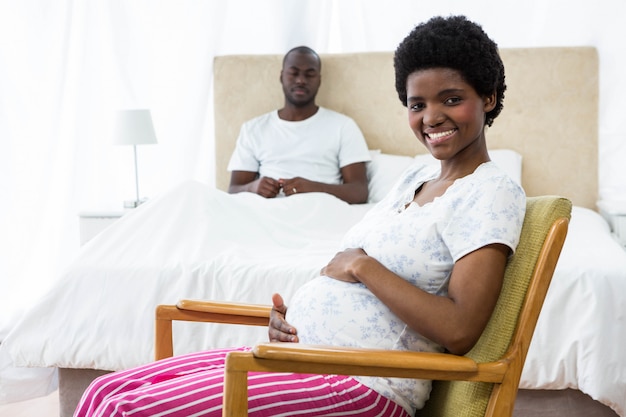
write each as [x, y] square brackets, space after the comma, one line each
[550, 117]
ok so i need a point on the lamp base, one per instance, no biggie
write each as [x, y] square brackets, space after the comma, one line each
[128, 204]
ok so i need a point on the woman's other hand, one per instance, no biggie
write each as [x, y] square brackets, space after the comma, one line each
[343, 265]
[279, 329]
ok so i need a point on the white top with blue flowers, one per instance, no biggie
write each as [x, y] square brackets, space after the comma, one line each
[420, 244]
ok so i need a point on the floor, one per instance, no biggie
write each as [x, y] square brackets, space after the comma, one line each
[38, 407]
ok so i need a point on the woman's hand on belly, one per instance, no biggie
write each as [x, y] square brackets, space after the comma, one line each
[279, 330]
[342, 266]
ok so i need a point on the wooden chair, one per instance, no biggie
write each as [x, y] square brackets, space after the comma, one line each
[484, 382]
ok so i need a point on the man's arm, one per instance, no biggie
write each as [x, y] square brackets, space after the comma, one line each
[353, 190]
[241, 181]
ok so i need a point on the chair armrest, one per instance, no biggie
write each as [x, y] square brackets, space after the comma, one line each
[203, 311]
[297, 357]
[226, 308]
[363, 361]
[301, 358]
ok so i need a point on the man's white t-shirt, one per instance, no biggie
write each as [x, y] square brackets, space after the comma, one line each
[315, 148]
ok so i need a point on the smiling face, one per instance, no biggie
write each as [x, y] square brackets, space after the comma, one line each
[300, 78]
[446, 114]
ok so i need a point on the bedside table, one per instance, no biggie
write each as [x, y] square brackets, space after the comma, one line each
[93, 222]
[614, 211]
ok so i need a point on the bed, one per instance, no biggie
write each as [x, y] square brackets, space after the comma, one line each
[99, 316]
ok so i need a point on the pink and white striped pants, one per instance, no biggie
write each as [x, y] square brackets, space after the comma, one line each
[192, 385]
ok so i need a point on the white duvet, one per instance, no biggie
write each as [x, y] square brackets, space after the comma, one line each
[196, 242]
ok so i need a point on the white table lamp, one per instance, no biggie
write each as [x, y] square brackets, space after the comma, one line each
[134, 127]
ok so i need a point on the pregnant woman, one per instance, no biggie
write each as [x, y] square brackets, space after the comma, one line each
[422, 271]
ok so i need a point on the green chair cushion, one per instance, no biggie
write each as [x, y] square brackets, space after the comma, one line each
[469, 399]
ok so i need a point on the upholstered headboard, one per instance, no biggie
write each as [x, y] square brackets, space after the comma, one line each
[550, 111]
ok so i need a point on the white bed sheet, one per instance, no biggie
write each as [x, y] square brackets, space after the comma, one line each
[100, 314]
[581, 332]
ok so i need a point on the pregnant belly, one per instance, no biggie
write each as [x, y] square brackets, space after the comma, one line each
[331, 312]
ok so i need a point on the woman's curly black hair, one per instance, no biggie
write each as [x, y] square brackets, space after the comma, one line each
[456, 43]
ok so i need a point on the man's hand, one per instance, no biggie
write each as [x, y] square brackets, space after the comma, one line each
[279, 329]
[353, 189]
[299, 185]
[266, 187]
[244, 181]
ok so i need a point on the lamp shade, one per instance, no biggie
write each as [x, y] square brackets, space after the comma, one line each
[134, 127]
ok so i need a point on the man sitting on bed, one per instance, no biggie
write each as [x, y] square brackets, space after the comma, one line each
[302, 147]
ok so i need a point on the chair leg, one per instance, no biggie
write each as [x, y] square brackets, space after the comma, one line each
[164, 345]
[235, 401]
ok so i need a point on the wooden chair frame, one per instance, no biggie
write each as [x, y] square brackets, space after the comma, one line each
[503, 373]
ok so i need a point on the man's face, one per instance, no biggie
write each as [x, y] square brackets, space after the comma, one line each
[300, 78]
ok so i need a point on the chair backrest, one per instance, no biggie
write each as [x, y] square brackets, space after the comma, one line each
[510, 328]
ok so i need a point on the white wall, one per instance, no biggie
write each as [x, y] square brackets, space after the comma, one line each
[66, 65]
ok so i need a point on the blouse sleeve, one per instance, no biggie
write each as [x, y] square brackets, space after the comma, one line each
[492, 212]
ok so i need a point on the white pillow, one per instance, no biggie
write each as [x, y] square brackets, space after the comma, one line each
[508, 160]
[385, 169]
